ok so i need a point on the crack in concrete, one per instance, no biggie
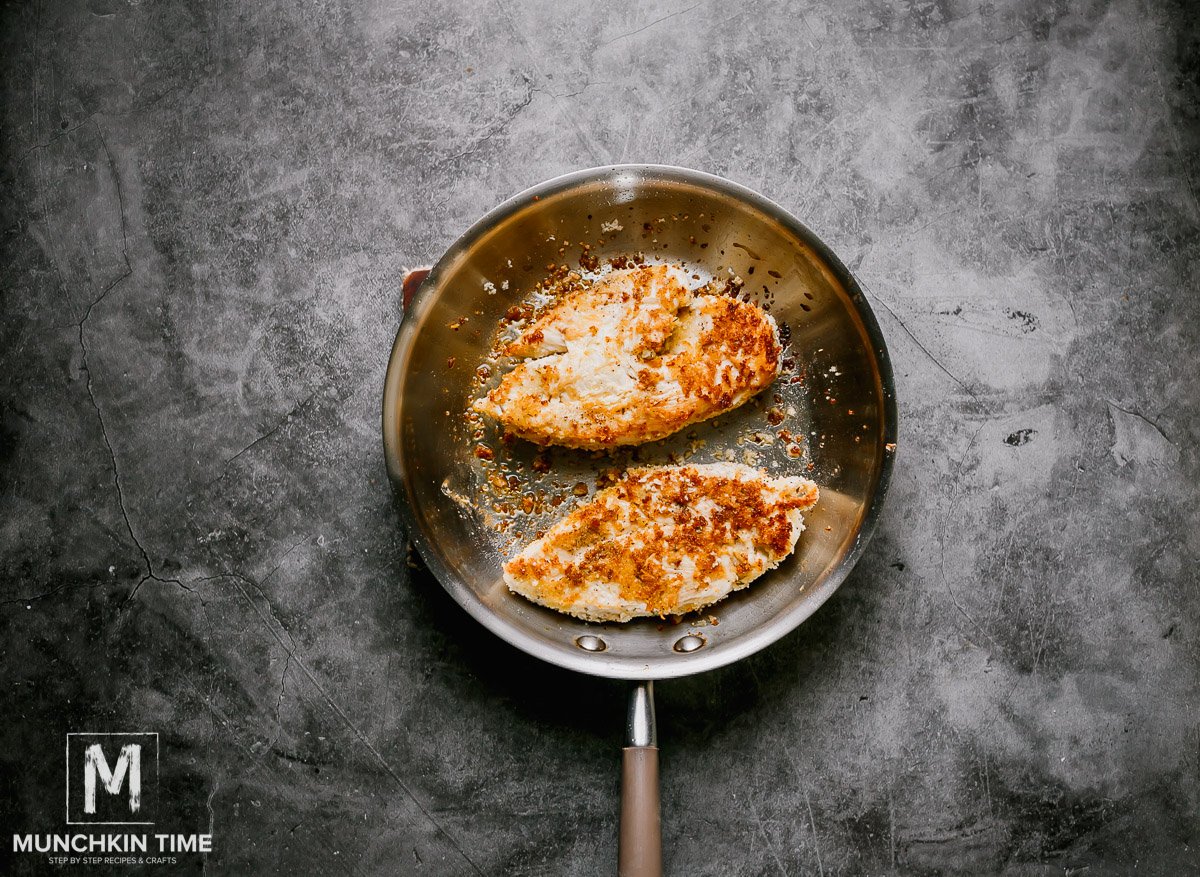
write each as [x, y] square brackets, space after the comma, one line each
[497, 127]
[569, 118]
[151, 574]
[238, 579]
[568, 94]
[270, 607]
[111, 453]
[266, 435]
[112, 167]
[287, 665]
[284, 557]
[211, 818]
[59, 136]
[39, 194]
[923, 348]
[273, 745]
[957, 473]
[150, 577]
[35, 597]
[650, 25]
[1143, 417]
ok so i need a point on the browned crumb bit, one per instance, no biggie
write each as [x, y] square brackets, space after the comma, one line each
[775, 416]
[450, 362]
[580, 489]
[483, 452]
[497, 481]
[541, 464]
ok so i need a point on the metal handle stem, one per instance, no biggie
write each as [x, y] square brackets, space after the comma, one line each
[639, 852]
[639, 724]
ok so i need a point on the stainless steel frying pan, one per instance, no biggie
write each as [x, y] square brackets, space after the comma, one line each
[836, 399]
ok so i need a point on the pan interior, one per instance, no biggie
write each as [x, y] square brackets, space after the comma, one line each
[835, 398]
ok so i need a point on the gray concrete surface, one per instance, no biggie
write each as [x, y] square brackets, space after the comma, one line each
[207, 210]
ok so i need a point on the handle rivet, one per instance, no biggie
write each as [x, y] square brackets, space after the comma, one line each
[689, 643]
[591, 643]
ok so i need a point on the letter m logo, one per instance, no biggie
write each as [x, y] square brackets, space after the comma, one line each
[95, 764]
[111, 778]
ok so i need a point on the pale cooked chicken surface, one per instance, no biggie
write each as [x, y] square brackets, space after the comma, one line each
[663, 541]
[633, 358]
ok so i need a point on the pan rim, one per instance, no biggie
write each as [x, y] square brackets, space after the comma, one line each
[602, 664]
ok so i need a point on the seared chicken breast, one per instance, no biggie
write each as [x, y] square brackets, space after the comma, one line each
[633, 358]
[663, 541]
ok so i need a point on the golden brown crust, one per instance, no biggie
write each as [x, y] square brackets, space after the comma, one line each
[664, 540]
[632, 359]
[643, 301]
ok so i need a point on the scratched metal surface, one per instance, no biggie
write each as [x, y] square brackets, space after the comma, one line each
[207, 212]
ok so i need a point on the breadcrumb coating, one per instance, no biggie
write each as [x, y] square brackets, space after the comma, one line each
[664, 540]
[633, 358]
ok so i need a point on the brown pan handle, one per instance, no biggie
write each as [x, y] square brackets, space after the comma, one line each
[639, 851]
[412, 281]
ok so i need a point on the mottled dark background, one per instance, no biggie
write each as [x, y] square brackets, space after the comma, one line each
[207, 209]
